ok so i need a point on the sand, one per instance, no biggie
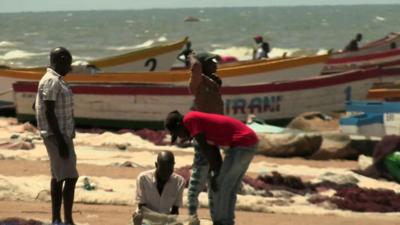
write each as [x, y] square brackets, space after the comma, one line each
[115, 215]
[145, 159]
[112, 191]
[24, 182]
[119, 215]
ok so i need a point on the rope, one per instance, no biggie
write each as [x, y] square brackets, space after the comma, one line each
[6, 92]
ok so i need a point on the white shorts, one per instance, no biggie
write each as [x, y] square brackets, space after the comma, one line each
[61, 169]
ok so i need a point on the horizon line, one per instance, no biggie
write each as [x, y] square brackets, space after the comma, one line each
[199, 7]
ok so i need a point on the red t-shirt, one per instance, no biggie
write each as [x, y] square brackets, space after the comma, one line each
[220, 130]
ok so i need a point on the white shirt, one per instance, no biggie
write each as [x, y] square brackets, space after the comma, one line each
[260, 54]
[147, 192]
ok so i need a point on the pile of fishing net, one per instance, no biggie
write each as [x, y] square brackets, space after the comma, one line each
[363, 200]
[19, 221]
[156, 137]
[348, 196]
[153, 136]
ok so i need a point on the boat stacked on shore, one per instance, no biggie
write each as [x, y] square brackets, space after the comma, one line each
[271, 89]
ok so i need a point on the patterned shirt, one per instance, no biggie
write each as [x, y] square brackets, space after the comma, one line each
[147, 192]
[52, 87]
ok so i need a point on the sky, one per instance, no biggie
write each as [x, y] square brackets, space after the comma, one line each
[69, 5]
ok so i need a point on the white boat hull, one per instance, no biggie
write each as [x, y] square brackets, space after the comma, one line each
[126, 105]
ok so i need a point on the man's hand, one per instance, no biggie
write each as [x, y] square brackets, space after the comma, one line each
[196, 66]
[175, 210]
[137, 218]
[63, 147]
[213, 180]
[196, 221]
[53, 124]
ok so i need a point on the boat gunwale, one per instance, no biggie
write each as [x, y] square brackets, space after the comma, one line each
[282, 86]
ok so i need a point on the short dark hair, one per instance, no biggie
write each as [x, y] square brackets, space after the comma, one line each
[205, 58]
[166, 156]
[172, 123]
[359, 36]
[59, 55]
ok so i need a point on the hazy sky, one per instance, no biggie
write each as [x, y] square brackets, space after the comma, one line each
[52, 5]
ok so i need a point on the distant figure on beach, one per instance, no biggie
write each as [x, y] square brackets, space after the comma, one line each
[262, 50]
[393, 45]
[353, 44]
[160, 190]
[205, 86]
[55, 121]
[184, 55]
[239, 142]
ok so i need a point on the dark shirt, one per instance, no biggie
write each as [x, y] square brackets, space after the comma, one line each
[262, 51]
[185, 53]
[352, 46]
[266, 47]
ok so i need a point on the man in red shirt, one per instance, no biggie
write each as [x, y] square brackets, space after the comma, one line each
[239, 142]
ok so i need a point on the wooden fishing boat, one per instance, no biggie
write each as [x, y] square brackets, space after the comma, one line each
[340, 64]
[259, 72]
[145, 105]
[380, 52]
[386, 43]
[371, 118]
[385, 92]
[253, 61]
[390, 41]
[153, 58]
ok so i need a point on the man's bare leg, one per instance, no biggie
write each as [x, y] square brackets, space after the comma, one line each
[68, 195]
[56, 199]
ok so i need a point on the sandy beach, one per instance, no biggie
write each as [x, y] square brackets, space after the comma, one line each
[106, 214]
[316, 82]
[25, 175]
[111, 214]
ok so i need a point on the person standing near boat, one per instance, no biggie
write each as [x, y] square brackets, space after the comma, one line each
[55, 121]
[261, 52]
[205, 86]
[204, 83]
[353, 44]
[184, 55]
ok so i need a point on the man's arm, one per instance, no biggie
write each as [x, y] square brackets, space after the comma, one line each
[214, 79]
[179, 198]
[211, 153]
[195, 76]
[140, 205]
[139, 193]
[175, 210]
[213, 156]
[179, 57]
[53, 124]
